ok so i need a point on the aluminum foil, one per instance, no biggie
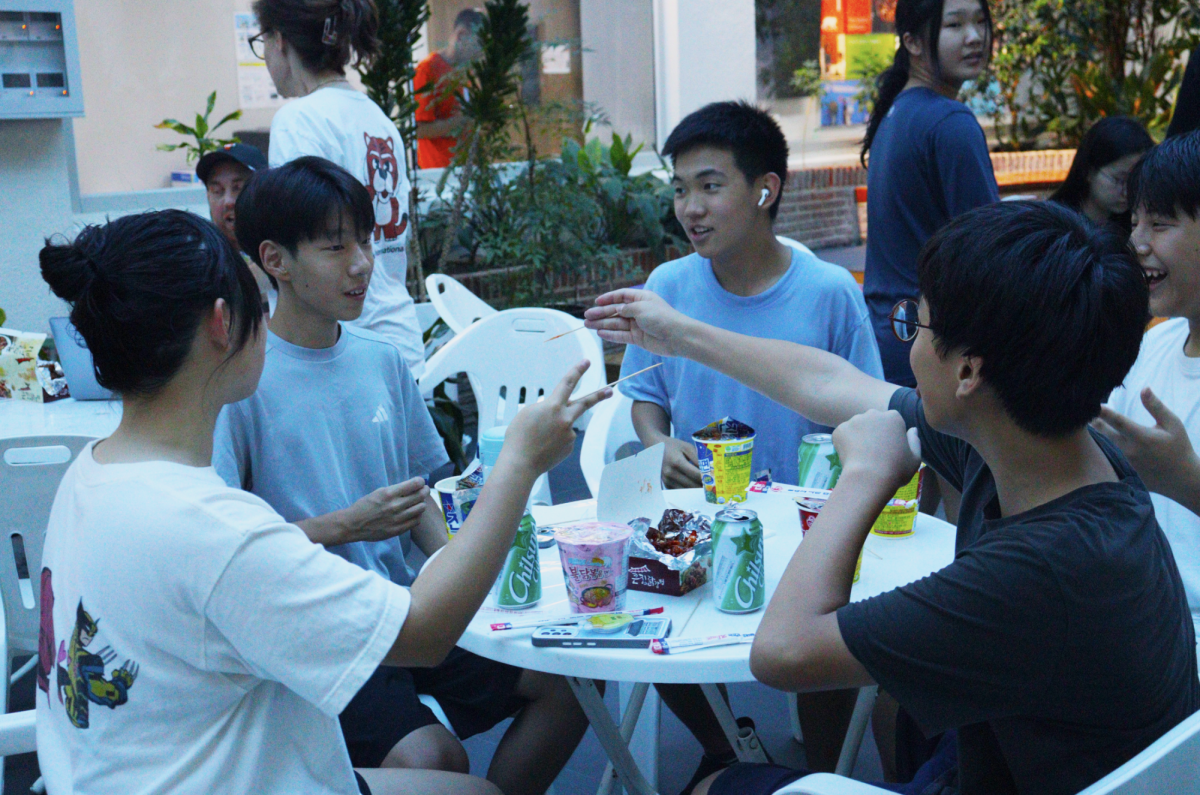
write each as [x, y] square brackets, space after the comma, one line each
[641, 547]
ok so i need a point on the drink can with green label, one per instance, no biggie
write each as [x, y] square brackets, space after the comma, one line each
[739, 574]
[520, 582]
[820, 466]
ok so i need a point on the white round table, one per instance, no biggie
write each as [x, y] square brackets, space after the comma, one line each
[887, 563]
[68, 417]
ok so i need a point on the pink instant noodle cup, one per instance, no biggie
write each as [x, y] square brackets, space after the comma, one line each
[595, 561]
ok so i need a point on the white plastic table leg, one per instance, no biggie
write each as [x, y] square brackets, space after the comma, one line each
[746, 745]
[858, 726]
[610, 736]
[643, 742]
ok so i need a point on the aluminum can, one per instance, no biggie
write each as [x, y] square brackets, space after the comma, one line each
[739, 571]
[519, 585]
[819, 467]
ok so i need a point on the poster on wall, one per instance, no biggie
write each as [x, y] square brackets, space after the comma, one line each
[255, 88]
[857, 40]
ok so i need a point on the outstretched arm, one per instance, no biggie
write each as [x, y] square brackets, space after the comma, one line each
[820, 385]
[453, 585]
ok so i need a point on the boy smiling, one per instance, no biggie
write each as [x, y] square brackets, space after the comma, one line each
[337, 439]
[1155, 417]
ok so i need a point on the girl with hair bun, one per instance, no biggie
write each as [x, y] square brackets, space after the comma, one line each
[928, 159]
[198, 641]
[307, 45]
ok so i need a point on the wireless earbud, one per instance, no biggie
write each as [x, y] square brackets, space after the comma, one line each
[765, 193]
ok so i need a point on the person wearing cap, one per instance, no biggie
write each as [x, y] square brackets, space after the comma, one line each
[439, 114]
[224, 173]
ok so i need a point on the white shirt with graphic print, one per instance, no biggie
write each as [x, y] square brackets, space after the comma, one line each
[194, 642]
[346, 127]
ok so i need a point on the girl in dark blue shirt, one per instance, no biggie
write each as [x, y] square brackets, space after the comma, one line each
[928, 155]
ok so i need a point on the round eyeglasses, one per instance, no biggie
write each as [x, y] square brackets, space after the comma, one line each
[904, 320]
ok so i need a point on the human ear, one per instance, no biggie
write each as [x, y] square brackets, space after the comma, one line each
[219, 325]
[769, 186]
[274, 260]
[970, 379]
[913, 44]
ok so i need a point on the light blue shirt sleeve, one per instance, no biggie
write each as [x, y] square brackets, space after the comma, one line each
[857, 343]
[426, 450]
[231, 455]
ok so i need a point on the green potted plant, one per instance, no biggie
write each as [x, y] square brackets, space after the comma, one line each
[199, 139]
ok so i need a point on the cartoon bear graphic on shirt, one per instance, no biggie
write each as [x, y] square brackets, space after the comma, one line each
[81, 680]
[383, 180]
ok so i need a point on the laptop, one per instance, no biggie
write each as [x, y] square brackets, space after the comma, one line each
[76, 361]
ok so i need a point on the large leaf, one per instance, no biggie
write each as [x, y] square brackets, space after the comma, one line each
[212, 102]
[201, 126]
[171, 124]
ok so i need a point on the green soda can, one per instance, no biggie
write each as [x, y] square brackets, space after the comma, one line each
[738, 570]
[520, 582]
[820, 466]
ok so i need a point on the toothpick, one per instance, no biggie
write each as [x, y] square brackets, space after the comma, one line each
[565, 333]
[619, 380]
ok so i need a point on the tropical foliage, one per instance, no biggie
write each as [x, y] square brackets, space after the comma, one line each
[201, 133]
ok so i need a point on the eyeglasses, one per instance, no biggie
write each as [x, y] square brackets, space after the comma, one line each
[257, 44]
[904, 320]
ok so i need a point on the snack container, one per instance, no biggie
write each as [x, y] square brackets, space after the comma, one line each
[595, 561]
[819, 465]
[900, 514]
[738, 568]
[519, 585]
[457, 496]
[22, 375]
[662, 573]
[726, 450]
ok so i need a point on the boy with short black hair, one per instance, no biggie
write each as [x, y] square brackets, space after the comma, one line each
[730, 164]
[1155, 417]
[1058, 642]
[338, 440]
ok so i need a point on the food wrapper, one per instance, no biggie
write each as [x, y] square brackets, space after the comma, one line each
[22, 375]
[661, 572]
[457, 497]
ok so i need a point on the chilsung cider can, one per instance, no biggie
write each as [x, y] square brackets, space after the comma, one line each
[520, 582]
[738, 569]
[818, 462]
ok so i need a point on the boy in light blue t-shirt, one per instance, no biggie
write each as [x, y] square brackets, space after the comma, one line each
[338, 440]
[730, 164]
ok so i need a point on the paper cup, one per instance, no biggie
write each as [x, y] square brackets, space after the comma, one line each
[456, 503]
[595, 561]
[726, 450]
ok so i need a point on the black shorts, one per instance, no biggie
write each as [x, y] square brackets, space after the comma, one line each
[474, 692]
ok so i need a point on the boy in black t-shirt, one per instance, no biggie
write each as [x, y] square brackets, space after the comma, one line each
[1059, 642]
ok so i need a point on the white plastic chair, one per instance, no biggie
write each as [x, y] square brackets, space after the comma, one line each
[1167, 766]
[611, 427]
[31, 468]
[509, 362]
[796, 244]
[457, 305]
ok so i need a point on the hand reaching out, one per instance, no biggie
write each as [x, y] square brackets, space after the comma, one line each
[1161, 454]
[641, 318]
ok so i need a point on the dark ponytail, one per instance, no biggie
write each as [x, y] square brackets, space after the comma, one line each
[326, 34]
[923, 20]
[139, 287]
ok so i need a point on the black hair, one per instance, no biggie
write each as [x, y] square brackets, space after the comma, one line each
[1053, 305]
[923, 20]
[1108, 140]
[139, 287]
[1166, 181]
[748, 132]
[327, 34]
[470, 18]
[298, 202]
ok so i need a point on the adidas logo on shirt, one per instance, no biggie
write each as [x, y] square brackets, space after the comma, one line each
[380, 415]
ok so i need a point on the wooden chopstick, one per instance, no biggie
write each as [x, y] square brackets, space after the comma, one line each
[619, 380]
[565, 333]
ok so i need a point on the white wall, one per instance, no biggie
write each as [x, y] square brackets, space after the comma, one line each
[704, 52]
[617, 37]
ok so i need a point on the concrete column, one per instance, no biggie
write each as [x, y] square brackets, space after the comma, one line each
[704, 51]
[617, 37]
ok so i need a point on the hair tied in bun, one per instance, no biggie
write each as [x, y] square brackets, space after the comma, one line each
[329, 37]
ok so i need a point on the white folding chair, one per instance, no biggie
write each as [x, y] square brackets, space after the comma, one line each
[510, 362]
[1167, 766]
[796, 244]
[31, 468]
[457, 305]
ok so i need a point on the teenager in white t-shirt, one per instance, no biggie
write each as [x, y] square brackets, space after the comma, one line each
[192, 641]
[1155, 416]
[307, 46]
